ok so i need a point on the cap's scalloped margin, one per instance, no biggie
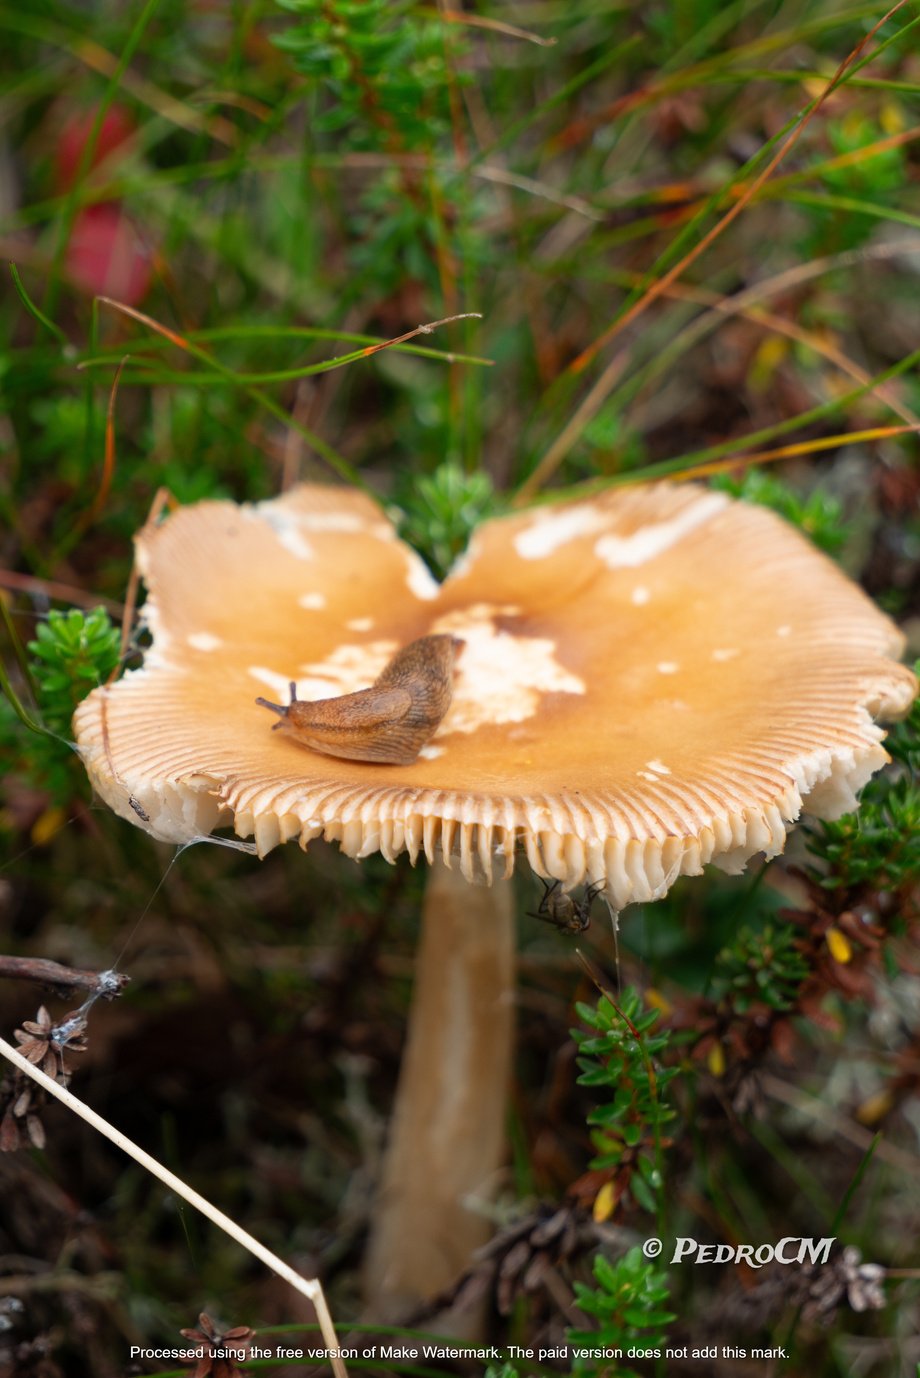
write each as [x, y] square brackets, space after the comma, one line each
[484, 835]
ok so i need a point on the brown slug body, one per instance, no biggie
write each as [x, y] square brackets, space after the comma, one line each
[388, 723]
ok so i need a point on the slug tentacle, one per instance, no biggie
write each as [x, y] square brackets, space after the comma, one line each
[388, 723]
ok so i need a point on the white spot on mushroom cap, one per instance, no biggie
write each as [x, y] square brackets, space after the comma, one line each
[625, 552]
[280, 514]
[431, 753]
[725, 653]
[360, 624]
[270, 679]
[419, 578]
[452, 623]
[550, 530]
[287, 528]
[294, 542]
[347, 523]
[466, 559]
[158, 654]
[500, 676]
[292, 525]
[204, 641]
[313, 602]
[640, 596]
[785, 630]
[667, 667]
[347, 669]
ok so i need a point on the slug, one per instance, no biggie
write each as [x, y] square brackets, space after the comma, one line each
[388, 723]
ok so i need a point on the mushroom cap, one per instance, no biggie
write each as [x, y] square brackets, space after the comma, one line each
[651, 679]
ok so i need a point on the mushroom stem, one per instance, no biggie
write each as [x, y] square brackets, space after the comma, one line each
[447, 1136]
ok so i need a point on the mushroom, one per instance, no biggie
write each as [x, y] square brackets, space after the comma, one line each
[650, 679]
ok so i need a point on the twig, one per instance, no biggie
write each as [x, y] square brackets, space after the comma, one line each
[307, 1287]
[108, 984]
[64, 593]
[99, 1286]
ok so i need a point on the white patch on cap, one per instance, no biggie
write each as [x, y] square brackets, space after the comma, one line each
[345, 523]
[548, 531]
[348, 668]
[725, 653]
[639, 596]
[283, 516]
[286, 527]
[625, 552]
[784, 631]
[500, 676]
[421, 581]
[157, 654]
[667, 667]
[431, 753]
[314, 602]
[457, 622]
[360, 624]
[294, 542]
[466, 558]
[269, 679]
[204, 641]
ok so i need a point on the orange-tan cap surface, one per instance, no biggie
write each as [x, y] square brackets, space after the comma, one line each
[651, 679]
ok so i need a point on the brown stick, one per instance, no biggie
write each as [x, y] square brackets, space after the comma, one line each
[64, 593]
[106, 983]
